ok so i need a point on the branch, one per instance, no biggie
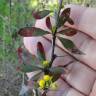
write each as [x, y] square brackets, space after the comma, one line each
[54, 34]
[65, 65]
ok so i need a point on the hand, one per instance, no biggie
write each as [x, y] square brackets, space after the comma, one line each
[80, 80]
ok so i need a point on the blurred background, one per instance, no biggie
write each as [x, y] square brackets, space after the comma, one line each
[15, 14]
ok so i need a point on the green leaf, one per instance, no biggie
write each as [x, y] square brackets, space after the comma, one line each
[32, 31]
[69, 45]
[40, 14]
[29, 68]
[61, 22]
[56, 72]
[25, 57]
[29, 62]
[41, 52]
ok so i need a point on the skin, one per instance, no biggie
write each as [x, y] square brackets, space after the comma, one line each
[80, 77]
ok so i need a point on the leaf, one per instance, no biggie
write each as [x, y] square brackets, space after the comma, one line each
[31, 31]
[56, 72]
[69, 45]
[40, 14]
[29, 62]
[66, 15]
[48, 23]
[29, 68]
[25, 57]
[68, 32]
[77, 51]
[61, 22]
[65, 12]
[41, 52]
[70, 21]
[24, 90]
[36, 76]
[28, 58]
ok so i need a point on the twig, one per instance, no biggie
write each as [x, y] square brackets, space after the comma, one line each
[54, 34]
[66, 64]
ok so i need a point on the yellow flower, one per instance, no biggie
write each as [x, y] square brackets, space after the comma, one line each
[47, 77]
[42, 83]
[45, 63]
[46, 82]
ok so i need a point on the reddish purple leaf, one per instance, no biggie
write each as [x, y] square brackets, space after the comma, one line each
[66, 12]
[68, 32]
[70, 21]
[40, 14]
[31, 31]
[71, 33]
[40, 51]
[36, 15]
[48, 23]
[40, 47]
[64, 17]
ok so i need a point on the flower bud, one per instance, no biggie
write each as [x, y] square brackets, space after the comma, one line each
[45, 63]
